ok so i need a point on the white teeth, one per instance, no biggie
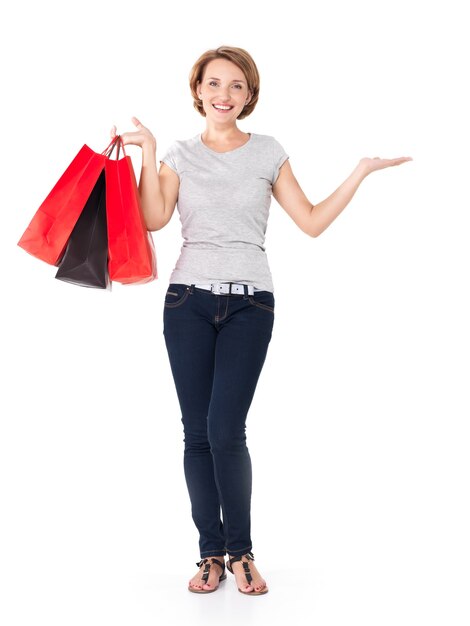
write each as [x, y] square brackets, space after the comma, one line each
[216, 106]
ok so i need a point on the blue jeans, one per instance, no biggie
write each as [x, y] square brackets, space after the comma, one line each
[217, 346]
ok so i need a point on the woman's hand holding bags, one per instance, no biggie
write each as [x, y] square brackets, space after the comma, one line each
[91, 223]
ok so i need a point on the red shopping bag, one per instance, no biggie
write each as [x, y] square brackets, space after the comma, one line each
[131, 251]
[48, 232]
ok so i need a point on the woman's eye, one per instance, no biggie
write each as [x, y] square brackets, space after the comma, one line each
[213, 82]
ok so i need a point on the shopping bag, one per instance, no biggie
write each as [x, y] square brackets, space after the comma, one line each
[48, 232]
[85, 261]
[131, 251]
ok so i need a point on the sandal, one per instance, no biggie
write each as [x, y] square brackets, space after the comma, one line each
[205, 576]
[249, 577]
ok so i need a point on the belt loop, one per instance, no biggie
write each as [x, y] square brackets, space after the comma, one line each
[245, 289]
[230, 289]
[191, 289]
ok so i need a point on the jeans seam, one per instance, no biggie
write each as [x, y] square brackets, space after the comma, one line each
[178, 302]
[248, 548]
[219, 552]
[260, 304]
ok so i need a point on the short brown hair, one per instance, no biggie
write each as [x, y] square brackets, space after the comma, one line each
[242, 59]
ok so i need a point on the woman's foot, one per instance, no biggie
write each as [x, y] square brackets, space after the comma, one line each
[257, 584]
[215, 573]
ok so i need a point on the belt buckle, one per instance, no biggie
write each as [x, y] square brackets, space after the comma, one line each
[215, 288]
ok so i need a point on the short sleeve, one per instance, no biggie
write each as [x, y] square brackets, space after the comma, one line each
[279, 156]
[170, 159]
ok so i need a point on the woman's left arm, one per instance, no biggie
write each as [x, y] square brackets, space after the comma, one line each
[314, 219]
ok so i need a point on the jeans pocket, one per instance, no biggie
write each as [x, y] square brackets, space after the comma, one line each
[175, 295]
[263, 300]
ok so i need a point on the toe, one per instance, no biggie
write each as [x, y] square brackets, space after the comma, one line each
[194, 585]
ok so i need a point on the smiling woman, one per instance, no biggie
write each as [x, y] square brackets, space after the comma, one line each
[244, 79]
[219, 308]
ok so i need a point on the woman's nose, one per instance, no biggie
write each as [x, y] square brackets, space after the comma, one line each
[224, 95]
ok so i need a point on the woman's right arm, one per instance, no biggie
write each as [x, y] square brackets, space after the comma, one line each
[158, 192]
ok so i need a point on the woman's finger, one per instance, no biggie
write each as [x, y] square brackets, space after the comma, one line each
[136, 122]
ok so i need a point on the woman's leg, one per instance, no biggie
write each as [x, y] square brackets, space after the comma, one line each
[242, 342]
[190, 340]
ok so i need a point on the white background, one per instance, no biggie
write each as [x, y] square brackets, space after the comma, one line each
[358, 431]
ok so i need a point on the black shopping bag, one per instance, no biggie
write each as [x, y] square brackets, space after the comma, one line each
[85, 260]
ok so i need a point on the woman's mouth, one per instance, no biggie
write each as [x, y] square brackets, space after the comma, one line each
[222, 108]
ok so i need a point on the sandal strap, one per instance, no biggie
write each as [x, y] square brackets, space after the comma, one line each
[250, 556]
[207, 567]
[222, 565]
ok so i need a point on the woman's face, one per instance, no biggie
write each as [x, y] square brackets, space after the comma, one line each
[223, 83]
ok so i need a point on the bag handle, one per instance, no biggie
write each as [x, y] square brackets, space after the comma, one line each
[120, 144]
[116, 141]
[111, 143]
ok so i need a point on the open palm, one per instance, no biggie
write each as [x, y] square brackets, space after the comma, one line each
[379, 164]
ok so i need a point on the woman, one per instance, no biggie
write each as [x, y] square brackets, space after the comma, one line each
[219, 307]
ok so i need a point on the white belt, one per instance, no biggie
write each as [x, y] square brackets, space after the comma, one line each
[218, 288]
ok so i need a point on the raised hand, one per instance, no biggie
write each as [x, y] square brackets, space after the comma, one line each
[139, 137]
[371, 165]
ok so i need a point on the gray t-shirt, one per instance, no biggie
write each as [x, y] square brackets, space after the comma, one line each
[223, 204]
